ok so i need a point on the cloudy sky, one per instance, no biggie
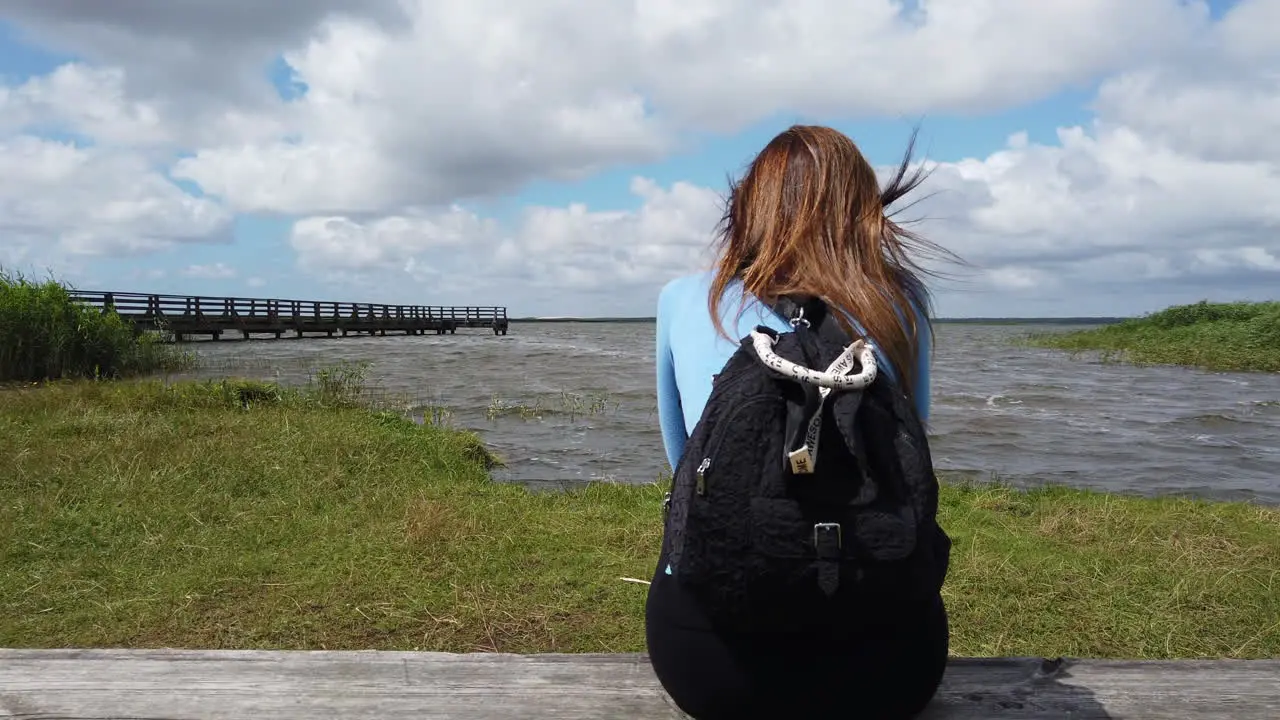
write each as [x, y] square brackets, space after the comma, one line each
[566, 157]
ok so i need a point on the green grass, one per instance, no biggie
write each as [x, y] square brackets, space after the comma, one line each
[45, 335]
[1215, 336]
[242, 515]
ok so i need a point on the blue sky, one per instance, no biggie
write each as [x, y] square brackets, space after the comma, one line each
[1077, 164]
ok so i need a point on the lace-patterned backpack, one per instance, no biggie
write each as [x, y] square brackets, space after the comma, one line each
[805, 497]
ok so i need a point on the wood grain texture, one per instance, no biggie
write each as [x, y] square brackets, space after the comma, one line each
[293, 685]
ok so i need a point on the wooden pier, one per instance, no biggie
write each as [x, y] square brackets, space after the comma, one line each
[369, 685]
[188, 315]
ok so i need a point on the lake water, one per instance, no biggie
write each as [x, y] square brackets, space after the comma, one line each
[567, 403]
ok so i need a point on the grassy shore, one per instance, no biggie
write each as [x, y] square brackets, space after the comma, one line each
[1215, 336]
[45, 335]
[240, 515]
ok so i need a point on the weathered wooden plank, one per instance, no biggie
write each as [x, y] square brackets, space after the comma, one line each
[213, 685]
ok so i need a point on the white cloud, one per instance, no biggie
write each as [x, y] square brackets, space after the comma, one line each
[428, 118]
[414, 108]
[216, 271]
[57, 199]
[166, 47]
[570, 250]
[1241, 258]
[1012, 277]
[388, 243]
[1104, 211]
[1105, 191]
[1219, 98]
[479, 97]
[84, 100]
[583, 250]
[94, 103]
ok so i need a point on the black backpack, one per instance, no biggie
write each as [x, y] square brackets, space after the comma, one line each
[795, 508]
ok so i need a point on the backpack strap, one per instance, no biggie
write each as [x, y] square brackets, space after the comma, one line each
[811, 319]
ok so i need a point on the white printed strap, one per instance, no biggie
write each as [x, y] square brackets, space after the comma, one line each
[804, 459]
[834, 377]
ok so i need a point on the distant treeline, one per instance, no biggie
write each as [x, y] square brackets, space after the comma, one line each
[1032, 321]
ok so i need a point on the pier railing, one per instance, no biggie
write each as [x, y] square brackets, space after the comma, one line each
[186, 315]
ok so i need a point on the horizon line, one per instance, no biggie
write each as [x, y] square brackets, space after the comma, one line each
[975, 318]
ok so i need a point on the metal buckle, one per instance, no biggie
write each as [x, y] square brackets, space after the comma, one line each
[799, 319]
[826, 527]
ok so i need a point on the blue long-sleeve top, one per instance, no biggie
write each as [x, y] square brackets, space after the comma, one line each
[690, 351]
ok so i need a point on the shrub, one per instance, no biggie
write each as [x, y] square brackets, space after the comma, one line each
[47, 335]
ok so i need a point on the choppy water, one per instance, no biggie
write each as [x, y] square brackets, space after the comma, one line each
[1028, 416]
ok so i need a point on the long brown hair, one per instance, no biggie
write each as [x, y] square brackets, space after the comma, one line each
[809, 218]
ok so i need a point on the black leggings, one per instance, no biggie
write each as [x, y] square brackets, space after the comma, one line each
[890, 672]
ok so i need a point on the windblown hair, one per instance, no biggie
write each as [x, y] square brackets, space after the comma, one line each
[809, 219]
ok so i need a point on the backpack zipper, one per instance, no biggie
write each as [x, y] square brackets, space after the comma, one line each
[715, 441]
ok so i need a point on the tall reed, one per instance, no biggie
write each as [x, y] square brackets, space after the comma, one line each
[47, 335]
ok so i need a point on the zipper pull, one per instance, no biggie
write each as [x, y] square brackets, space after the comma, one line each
[702, 475]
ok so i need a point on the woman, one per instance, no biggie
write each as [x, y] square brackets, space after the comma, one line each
[808, 220]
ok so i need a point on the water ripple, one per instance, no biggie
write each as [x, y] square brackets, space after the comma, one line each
[1029, 416]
